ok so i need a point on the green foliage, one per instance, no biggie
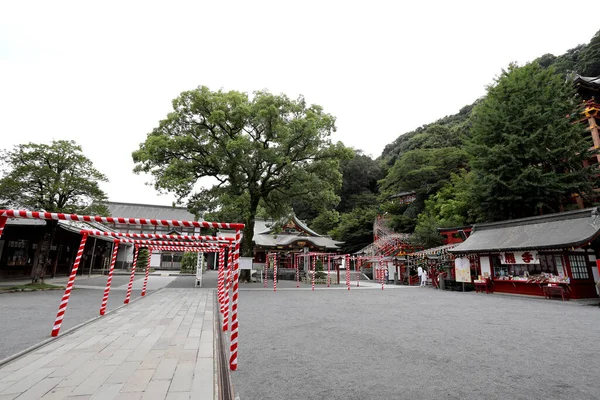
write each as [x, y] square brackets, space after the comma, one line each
[355, 229]
[426, 234]
[588, 63]
[262, 151]
[189, 261]
[143, 259]
[526, 154]
[54, 178]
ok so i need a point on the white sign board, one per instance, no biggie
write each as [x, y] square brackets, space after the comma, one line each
[462, 269]
[245, 263]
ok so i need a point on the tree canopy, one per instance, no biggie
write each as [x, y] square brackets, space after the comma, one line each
[527, 155]
[260, 151]
[54, 177]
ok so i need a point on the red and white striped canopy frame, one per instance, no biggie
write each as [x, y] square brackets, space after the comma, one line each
[92, 232]
[145, 243]
[118, 220]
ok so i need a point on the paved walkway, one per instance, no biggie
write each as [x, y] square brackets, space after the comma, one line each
[160, 347]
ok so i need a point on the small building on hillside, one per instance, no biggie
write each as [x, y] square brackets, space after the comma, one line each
[525, 256]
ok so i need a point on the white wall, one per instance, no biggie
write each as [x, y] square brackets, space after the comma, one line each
[484, 262]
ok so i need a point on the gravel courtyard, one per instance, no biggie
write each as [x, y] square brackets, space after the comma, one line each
[414, 343]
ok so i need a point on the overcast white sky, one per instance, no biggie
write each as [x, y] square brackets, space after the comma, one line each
[104, 73]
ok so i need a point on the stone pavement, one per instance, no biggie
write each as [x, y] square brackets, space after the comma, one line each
[160, 347]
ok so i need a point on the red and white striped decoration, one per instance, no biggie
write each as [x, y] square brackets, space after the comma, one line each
[115, 220]
[221, 280]
[381, 273]
[186, 249]
[296, 260]
[62, 308]
[233, 350]
[130, 285]
[172, 243]
[314, 270]
[227, 287]
[328, 271]
[92, 232]
[147, 271]
[2, 224]
[274, 272]
[348, 271]
[113, 260]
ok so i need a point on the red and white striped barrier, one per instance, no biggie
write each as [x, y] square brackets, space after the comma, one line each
[233, 359]
[314, 271]
[130, 285]
[227, 287]
[115, 220]
[113, 260]
[221, 280]
[171, 243]
[147, 271]
[62, 308]
[328, 271]
[348, 271]
[274, 272]
[297, 272]
[92, 232]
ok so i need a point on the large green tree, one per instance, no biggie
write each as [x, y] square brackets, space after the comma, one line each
[255, 152]
[54, 177]
[527, 154]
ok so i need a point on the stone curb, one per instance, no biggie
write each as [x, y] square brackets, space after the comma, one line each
[68, 331]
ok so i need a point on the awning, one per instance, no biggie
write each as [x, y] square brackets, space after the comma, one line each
[434, 251]
[553, 231]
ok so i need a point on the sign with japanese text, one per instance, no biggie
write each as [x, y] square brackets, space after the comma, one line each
[520, 257]
[462, 269]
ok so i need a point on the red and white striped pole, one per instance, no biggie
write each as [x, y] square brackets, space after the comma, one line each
[233, 350]
[314, 270]
[328, 271]
[359, 267]
[147, 271]
[113, 260]
[226, 294]
[348, 271]
[62, 308]
[2, 224]
[274, 272]
[221, 280]
[136, 253]
[381, 273]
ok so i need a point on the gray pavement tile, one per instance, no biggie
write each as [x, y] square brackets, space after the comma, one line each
[118, 357]
[107, 391]
[58, 393]
[78, 376]
[138, 381]
[123, 372]
[165, 369]
[182, 380]
[129, 396]
[8, 396]
[156, 390]
[152, 359]
[73, 365]
[38, 390]
[92, 383]
[203, 383]
[26, 383]
[179, 396]
[206, 349]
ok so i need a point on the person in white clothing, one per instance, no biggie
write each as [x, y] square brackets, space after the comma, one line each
[424, 278]
[420, 274]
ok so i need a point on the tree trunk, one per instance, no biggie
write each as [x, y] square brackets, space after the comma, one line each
[41, 259]
[247, 250]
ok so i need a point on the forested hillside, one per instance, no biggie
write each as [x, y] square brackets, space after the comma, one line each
[516, 152]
